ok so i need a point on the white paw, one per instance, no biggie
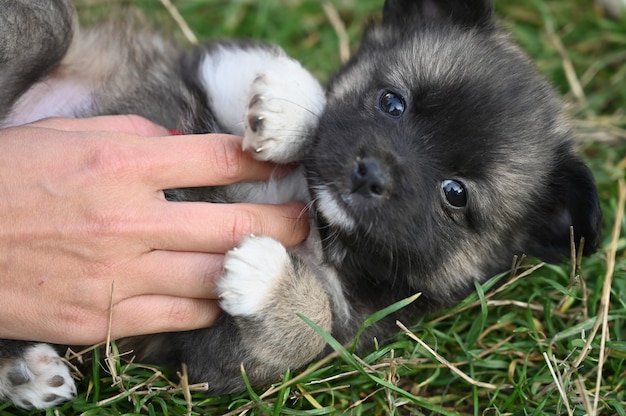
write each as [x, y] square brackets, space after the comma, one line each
[283, 110]
[39, 379]
[251, 272]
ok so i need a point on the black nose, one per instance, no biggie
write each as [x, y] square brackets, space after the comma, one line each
[369, 179]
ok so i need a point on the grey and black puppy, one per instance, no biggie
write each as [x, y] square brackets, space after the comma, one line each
[436, 154]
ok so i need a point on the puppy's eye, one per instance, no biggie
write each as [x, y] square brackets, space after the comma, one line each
[391, 104]
[455, 193]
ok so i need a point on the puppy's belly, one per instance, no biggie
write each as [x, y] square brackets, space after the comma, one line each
[292, 187]
[50, 98]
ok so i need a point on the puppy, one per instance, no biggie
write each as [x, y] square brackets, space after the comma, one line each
[436, 154]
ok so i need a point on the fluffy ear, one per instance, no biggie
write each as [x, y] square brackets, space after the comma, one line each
[572, 201]
[466, 12]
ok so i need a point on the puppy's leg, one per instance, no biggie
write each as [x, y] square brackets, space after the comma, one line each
[285, 105]
[263, 288]
[257, 91]
[33, 375]
[34, 36]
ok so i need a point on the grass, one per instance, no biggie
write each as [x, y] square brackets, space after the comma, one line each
[552, 341]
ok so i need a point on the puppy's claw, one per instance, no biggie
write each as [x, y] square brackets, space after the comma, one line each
[255, 122]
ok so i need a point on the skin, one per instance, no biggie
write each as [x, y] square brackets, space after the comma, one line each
[84, 226]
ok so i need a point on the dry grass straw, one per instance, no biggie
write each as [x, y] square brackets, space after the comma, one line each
[600, 324]
[180, 21]
[515, 277]
[576, 87]
[445, 362]
[340, 30]
[605, 301]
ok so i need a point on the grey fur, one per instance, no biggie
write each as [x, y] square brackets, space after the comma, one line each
[436, 97]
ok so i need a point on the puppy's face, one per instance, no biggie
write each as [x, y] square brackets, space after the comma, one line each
[440, 155]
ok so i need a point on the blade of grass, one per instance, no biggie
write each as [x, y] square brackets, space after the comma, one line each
[282, 395]
[383, 313]
[445, 362]
[350, 360]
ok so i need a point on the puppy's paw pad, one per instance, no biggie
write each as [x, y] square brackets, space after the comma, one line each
[39, 379]
[283, 111]
[251, 273]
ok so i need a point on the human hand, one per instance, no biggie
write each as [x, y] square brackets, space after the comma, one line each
[82, 207]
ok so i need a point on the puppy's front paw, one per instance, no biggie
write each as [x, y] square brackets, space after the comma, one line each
[38, 379]
[284, 107]
[252, 272]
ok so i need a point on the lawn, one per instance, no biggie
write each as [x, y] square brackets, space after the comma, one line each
[551, 341]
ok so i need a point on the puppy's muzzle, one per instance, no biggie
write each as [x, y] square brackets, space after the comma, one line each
[370, 179]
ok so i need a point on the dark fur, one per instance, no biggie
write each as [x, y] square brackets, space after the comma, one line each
[476, 112]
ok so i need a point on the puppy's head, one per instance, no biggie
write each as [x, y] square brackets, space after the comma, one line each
[442, 154]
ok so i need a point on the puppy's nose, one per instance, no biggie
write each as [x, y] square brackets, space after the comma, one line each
[369, 179]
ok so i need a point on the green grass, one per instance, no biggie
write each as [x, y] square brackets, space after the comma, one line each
[505, 342]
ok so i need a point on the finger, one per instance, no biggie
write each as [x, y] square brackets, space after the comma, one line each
[177, 161]
[154, 314]
[143, 315]
[179, 274]
[130, 124]
[201, 160]
[139, 315]
[225, 225]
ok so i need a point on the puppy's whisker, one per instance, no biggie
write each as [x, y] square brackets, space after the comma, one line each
[295, 104]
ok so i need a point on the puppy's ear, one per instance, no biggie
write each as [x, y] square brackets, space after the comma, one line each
[572, 201]
[465, 12]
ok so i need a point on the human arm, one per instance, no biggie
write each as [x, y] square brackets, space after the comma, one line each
[83, 207]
